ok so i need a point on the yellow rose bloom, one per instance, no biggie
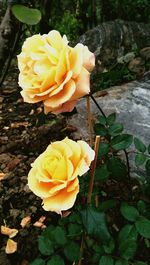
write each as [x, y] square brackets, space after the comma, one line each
[53, 72]
[54, 174]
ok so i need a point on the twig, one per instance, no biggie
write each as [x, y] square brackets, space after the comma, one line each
[89, 119]
[11, 55]
[81, 250]
[98, 106]
[97, 141]
[128, 170]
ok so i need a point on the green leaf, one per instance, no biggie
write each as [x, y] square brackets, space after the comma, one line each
[75, 218]
[117, 168]
[72, 251]
[121, 262]
[139, 145]
[128, 231]
[98, 249]
[29, 16]
[45, 246]
[115, 129]
[128, 248]
[143, 227]
[95, 258]
[102, 120]
[106, 260]
[105, 206]
[100, 129]
[129, 212]
[59, 236]
[101, 173]
[147, 166]
[141, 206]
[56, 260]
[140, 159]
[95, 224]
[111, 118]
[48, 232]
[38, 262]
[122, 141]
[109, 247]
[74, 229]
[103, 149]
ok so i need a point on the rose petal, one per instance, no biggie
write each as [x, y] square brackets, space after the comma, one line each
[2, 176]
[62, 201]
[76, 60]
[43, 189]
[25, 221]
[11, 246]
[55, 39]
[88, 59]
[65, 107]
[76, 150]
[60, 87]
[61, 67]
[11, 232]
[82, 85]
[62, 96]
[33, 43]
[86, 152]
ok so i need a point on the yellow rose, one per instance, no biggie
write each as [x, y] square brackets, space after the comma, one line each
[54, 174]
[53, 72]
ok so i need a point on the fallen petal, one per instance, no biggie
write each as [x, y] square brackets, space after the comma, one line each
[2, 176]
[8, 231]
[11, 246]
[25, 221]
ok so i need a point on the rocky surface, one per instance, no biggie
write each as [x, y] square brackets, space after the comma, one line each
[113, 41]
[130, 101]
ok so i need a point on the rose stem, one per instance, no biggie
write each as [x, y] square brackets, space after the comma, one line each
[89, 119]
[81, 250]
[93, 167]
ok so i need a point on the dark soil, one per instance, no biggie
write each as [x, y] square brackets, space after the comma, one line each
[25, 132]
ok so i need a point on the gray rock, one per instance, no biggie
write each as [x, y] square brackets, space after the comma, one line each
[114, 39]
[145, 53]
[130, 101]
[137, 65]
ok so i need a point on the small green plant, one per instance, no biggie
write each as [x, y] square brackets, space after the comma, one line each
[68, 24]
[115, 76]
[116, 224]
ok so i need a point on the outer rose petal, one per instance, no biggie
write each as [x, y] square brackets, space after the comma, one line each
[87, 152]
[63, 96]
[65, 107]
[76, 60]
[43, 189]
[56, 40]
[76, 151]
[82, 85]
[88, 57]
[62, 201]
